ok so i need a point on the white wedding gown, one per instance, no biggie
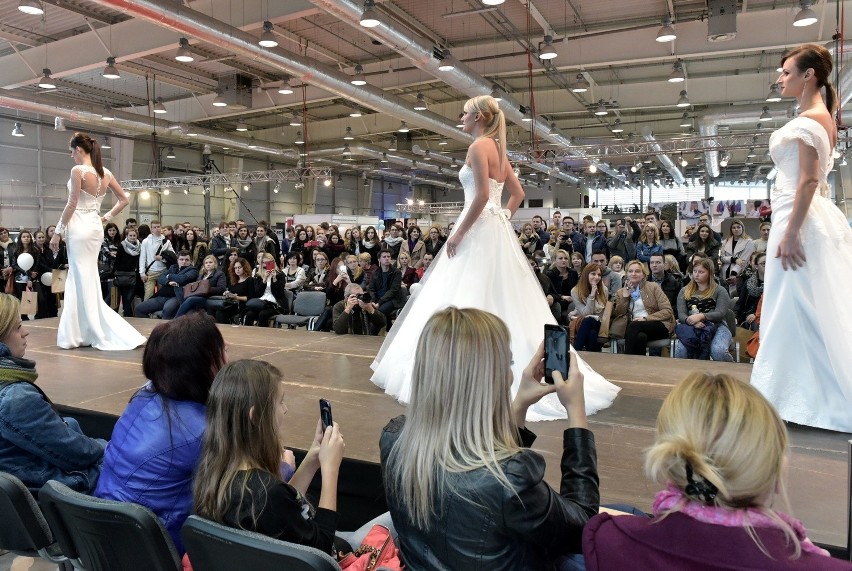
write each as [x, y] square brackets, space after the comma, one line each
[488, 272]
[86, 320]
[804, 364]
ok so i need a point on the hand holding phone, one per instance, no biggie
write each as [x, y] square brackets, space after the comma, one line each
[556, 352]
[325, 413]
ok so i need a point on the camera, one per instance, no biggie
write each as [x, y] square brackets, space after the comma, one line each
[364, 297]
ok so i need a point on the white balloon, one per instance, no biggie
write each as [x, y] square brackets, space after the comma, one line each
[413, 288]
[25, 261]
[47, 278]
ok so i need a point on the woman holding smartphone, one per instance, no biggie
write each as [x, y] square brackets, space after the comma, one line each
[269, 286]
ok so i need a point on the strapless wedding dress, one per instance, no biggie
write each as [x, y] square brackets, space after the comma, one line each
[804, 364]
[488, 272]
[86, 320]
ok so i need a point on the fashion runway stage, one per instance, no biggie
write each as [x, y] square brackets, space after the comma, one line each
[323, 365]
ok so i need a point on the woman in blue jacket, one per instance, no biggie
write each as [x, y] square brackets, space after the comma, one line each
[36, 444]
[649, 244]
[156, 443]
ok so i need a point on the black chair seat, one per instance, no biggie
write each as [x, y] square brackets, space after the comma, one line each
[24, 530]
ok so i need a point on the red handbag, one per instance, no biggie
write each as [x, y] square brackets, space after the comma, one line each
[377, 550]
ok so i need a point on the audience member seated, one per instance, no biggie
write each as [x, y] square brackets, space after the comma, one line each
[355, 315]
[748, 296]
[464, 490]
[371, 245]
[386, 286]
[409, 274]
[648, 244]
[591, 296]
[672, 265]
[265, 243]
[671, 243]
[269, 289]
[616, 265]
[218, 285]
[169, 296]
[244, 244]
[335, 247]
[735, 255]
[339, 277]
[293, 274]
[760, 243]
[563, 277]
[318, 275]
[240, 290]
[240, 481]
[156, 443]
[434, 242]
[427, 261]
[611, 281]
[702, 308]
[721, 453]
[196, 246]
[550, 294]
[393, 241]
[670, 283]
[642, 311]
[530, 241]
[298, 245]
[578, 260]
[705, 243]
[593, 241]
[353, 240]
[414, 246]
[127, 263]
[36, 444]
[706, 219]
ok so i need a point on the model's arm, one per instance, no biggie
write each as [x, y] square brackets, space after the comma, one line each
[790, 249]
[479, 166]
[513, 185]
[121, 197]
[70, 207]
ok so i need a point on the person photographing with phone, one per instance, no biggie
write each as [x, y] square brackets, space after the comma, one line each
[270, 288]
[356, 315]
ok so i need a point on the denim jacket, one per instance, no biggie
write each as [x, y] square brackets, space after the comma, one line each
[38, 445]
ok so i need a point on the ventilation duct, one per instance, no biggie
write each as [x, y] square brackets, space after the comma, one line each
[664, 159]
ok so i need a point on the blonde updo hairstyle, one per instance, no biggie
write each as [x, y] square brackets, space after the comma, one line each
[494, 120]
[730, 436]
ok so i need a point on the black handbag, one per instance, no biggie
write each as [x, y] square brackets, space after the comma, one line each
[124, 279]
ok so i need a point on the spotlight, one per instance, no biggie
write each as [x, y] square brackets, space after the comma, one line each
[247, 187]
[683, 161]
[369, 17]
[186, 191]
[420, 104]
[358, 78]
[774, 95]
[683, 100]
[46, 82]
[326, 182]
[166, 192]
[144, 195]
[170, 152]
[299, 140]
[593, 168]
[184, 54]
[726, 158]
[547, 52]
[267, 37]
[159, 106]
[677, 75]
[241, 126]
[17, 131]
[110, 71]
[403, 128]
[667, 32]
[277, 188]
[285, 88]
[806, 16]
[581, 85]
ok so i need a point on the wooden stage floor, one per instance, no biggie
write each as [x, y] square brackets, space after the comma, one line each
[323, 365]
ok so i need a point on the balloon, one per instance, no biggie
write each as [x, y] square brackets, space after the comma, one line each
[25, 261]
[381, 225]
[47, 278]
[412, 289]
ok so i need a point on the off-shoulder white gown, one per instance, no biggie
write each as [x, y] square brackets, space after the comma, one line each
[488, 272]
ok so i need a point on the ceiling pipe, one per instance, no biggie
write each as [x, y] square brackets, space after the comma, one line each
[191, 23]
[420, 50]
[664, 159]
[375, 153]
[90, 114]
[708, 126]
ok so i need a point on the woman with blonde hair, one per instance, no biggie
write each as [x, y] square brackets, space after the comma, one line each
[482, 255]
[649, 244]
[721, 452]
[462, 451]
[642, 311]
[736, 254]
[269, 288]
[591, 297]
[218, 284]
[702, 308]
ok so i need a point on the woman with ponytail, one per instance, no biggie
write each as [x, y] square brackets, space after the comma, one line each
[86, 319]
[481, 266]
[809, 256]
[721, 453]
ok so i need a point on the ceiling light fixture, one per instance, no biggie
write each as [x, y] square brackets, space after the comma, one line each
[616, 127]
[547, 52]
[46, 82]
[346, 150]
[191, 131]
[31, 7]
[527, 118]
[105, 144]
[296, 120]
[159, 106]
[107, 114]
[110, 71]
[593, 168]
[358, 78]
[683, 100]
[184, 54]
[420, 104]
[601, 109]
[765, 116]
[806, 16]
[774, 95]
[442, 142]
[403, 128]
[726, 158]
[299, 140]
[170, 152]
[683, 161]
[285, 88]
[493, 2]
[581, 85]
[677, 75]
[685, 121]
[219, 101]
[356, 112]
[166, 192]
[369, 17]
[326, 182]
[751, 153]
[446, 61]
[17, 131]
[267, 37]
[241, 126]
[347, 136]
[667, 32]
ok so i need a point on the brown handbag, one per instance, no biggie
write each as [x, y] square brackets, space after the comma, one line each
[199, 288]
[10, 284]
[606, 318]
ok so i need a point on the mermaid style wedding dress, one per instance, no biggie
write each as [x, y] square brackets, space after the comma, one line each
[804, 364]
[86, 319]
[488, 272]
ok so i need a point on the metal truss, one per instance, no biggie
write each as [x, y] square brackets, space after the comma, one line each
[430, 207]
[207, 180]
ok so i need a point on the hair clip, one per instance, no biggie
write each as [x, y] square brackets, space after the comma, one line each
[701, 488]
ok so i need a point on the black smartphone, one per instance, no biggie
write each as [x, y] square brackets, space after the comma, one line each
[555, 352]
[325, 413]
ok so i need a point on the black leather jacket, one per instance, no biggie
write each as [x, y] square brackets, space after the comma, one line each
[487, 527]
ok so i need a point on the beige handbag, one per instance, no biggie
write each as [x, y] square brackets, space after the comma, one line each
[59, 279]
[29, 302]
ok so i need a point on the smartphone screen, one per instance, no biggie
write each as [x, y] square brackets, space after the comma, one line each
[325, 413]
[555, 351]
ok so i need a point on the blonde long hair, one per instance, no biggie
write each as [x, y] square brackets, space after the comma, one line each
[495, 121]
[730, 436]
[692, 288]
[460, 415]
[10, 314]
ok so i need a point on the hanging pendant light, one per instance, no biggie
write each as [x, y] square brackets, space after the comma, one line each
[299, 140]
[31, 7]
[285, 88]
[46, 82]
[347, 136]
[159, 106]
[110, 71]
[683, 100]
[183, 53]
[667, 32]
[677, 75]
[547, 52]
[369, 17]
[358, 78]
[806, 16]
[774, 95]
[17, 131]
[267, 37]
[581, 85]
[420, 104]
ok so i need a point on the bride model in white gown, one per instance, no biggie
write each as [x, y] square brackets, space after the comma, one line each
[86, 320]
[804, 364]
[482, 266]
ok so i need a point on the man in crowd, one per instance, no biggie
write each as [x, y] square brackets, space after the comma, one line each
[623, 243]
[540, 228]
[354, 316]
[427, 261]
[556, 219]
[170, 295]
[592, 241]
[571, 234]
[669, 283]
[386, 286]
[151, 259]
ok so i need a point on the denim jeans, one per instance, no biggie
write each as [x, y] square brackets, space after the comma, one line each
[719, 346]
[191, 304]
